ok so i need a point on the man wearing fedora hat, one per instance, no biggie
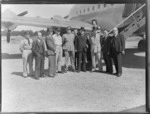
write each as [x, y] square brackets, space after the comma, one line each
[26, 49]
[58, 42]
[68, 46]
[81, 48]
[51, 53]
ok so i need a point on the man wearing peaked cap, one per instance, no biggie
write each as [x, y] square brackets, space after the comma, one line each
[27, 56]
[58, 42]
[68, 47]
[82, 29]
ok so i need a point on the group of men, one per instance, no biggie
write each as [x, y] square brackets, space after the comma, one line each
[75, 46]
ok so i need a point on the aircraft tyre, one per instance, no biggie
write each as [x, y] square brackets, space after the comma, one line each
[141, 45]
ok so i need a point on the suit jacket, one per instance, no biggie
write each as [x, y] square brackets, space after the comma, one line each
[51, 47]
[118, 43]
[106, 44]
[80, 43]
[38, 47]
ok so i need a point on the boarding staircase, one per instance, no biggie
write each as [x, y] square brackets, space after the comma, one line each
[135, 19]
[138, 21]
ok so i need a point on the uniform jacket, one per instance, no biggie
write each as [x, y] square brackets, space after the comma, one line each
[25, 45]
[68, 42]
[95, 42]
[118, 43]
[81, 42]
[38, 47]
[51, 47]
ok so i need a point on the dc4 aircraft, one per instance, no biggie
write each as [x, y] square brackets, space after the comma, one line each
[129, 18]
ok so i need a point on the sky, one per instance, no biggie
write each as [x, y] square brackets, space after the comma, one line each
[41, 10]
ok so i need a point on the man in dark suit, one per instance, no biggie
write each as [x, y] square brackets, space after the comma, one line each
[117, 49]
[38, 49]
[105, 42]
[81, 48]
[51, 53]
[75, 56]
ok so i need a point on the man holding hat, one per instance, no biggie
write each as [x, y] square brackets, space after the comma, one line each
[27, 56]
[51, 53]
[81, 48]
[58, 42]
[68, 46]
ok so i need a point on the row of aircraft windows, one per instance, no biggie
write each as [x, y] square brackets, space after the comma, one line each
[93, 8]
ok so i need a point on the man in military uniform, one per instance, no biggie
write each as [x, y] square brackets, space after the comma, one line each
[27, 56]
[68, 46]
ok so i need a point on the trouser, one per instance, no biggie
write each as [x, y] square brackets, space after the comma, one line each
[75, 60]
[81, 57]
[52, 65]
[93, 56]
[39, 65]
[108, 62]
[27, 59]
[117, 58]
[71, 55]
[58, 58]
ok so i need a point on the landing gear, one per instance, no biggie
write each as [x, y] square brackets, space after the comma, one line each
[142, 45]
[8, 36]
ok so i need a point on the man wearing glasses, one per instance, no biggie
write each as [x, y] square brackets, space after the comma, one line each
[117, 49]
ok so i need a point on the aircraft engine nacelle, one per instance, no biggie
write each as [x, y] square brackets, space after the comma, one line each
[11, 28]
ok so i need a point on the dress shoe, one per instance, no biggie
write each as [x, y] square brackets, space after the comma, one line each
[93, 70]
[118, 75]
[52, 76]
[36, 78]
[60, 72]
[78, 71]
[65, 71]
[115, 73]
[73, 70]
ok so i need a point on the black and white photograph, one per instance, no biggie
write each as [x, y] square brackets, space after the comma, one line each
[73, 57]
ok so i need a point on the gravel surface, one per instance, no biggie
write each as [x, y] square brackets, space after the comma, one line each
[79, 92]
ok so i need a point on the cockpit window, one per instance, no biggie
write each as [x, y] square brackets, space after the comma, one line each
[104, 5]
[99, 6]
[88, 9]
[77, 12]
[93, 8]
[80, 11]
[84, 10]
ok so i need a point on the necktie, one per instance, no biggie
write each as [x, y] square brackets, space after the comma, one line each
[28, 41]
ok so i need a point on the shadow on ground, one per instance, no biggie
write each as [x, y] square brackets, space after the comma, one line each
[11, 56]
[20, 74]
[137, 109]
[133, 61]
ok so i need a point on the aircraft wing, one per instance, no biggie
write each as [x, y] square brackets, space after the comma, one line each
[41, 22]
